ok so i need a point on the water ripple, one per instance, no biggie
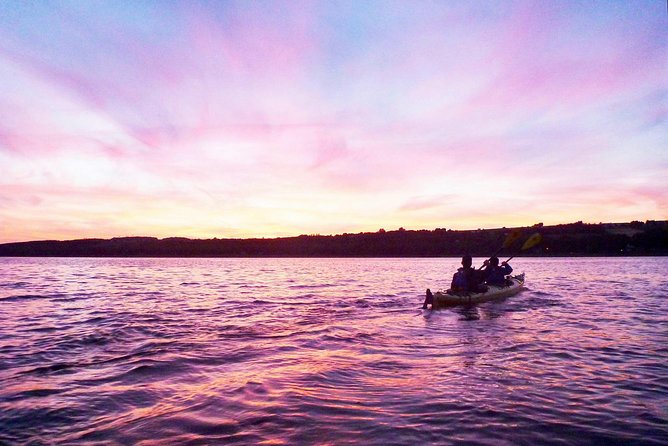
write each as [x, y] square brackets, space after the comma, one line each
[333, 351]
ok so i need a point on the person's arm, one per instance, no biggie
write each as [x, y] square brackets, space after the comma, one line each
[507, 269]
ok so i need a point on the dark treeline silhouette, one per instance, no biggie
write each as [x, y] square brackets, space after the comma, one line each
[575, 239]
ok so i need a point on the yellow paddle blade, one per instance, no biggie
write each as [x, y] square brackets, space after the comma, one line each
[512, 238]
[532, 241]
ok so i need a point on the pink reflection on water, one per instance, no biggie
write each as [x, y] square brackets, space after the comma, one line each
[283, 350]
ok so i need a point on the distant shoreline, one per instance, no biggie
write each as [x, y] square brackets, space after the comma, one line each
[515, 258]
[634, 239]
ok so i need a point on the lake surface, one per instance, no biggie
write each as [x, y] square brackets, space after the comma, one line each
[329, 351]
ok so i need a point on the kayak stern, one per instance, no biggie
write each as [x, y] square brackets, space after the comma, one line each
[444, 299]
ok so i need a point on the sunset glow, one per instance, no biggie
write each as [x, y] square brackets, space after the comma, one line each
[263, 119]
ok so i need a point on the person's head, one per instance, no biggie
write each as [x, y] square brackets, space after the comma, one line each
[467, 261]
[494, 261]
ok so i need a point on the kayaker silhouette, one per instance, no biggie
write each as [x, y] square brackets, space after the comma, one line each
[466, 280]
[494, 273]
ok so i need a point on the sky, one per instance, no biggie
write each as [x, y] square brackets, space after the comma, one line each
[278, 118]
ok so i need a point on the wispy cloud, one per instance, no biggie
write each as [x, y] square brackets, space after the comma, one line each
[279, 118]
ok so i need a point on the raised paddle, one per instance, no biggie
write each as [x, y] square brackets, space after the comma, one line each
[530, 243]
[510, 240]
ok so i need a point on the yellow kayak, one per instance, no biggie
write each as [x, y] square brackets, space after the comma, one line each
[449, 299]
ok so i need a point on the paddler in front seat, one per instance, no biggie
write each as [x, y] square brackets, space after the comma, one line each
[495, 274]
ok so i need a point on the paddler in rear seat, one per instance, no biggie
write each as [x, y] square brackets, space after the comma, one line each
[495, 274]
[467, 279]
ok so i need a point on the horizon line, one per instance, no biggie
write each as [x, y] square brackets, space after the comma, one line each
[535, 225]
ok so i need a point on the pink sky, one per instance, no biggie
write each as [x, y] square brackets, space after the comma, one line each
[252, 119]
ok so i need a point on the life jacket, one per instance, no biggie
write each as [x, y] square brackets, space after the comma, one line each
[458, 280]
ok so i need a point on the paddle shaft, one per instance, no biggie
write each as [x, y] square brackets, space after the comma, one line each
[511, 258]
[507, 243]
[493, 255]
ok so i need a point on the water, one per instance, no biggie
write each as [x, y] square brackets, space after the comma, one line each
[329, 351]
